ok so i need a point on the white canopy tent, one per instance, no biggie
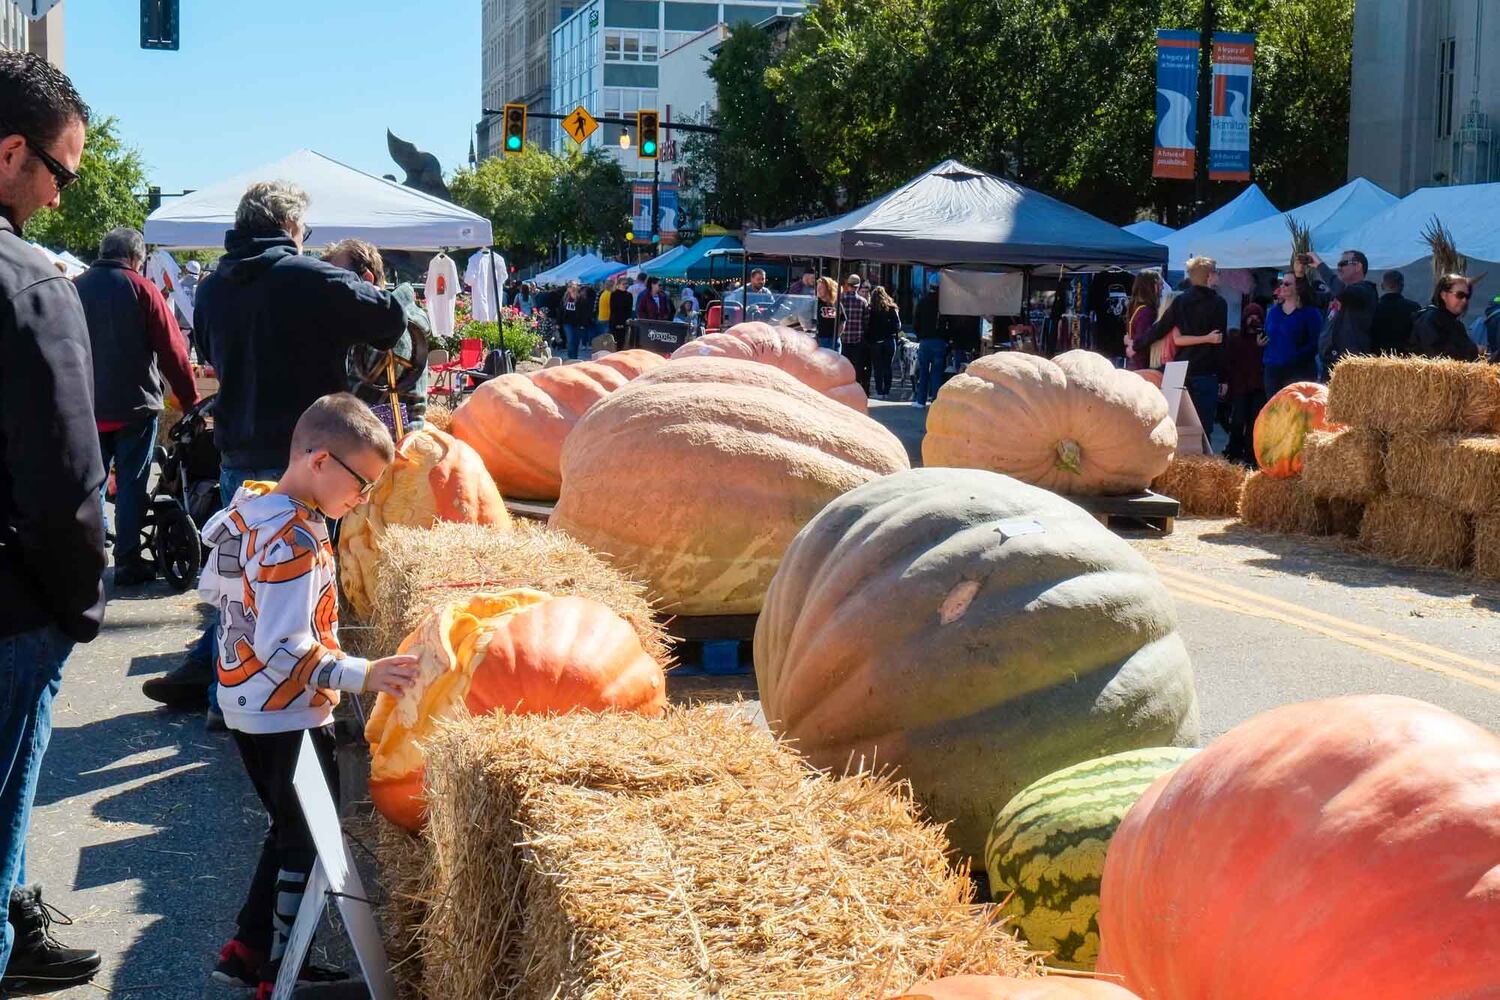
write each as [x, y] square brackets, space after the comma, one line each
[568, 269]
[1393, 238]
[1268, 242]
[344, 203]
[1249, 206]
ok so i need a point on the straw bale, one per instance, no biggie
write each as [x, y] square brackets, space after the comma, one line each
[610, 856]
[1284, 506]
[1459, 471]
[1205, 485]
[438, 417]
[1487, 547]
[421, 567]
[1347, 464]
[1415, 394]
[405, 873]
[1344, 516]
[1417, 532]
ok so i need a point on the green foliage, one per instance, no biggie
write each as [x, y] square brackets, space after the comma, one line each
[102, 199]
[521, 335]
[591, 202]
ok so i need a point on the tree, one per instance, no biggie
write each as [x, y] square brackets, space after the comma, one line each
[591, 201]
[516, 194]
[102, 199]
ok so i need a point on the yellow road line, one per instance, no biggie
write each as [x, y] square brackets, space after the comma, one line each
[1396, 653]
[1187, 578]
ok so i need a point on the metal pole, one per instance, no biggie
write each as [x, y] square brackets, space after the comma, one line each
[655, 201]
[505, 368]
[1205, 105]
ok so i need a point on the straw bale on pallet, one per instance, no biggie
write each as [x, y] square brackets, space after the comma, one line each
[1205, 485]
[1457, 470]
[1347, 464]
[1419, 532]
[610, 856]
[1283, 506]
[1487, 547]
[1415, 394]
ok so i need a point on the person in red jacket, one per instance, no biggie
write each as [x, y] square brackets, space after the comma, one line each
[654, 303]
[135, 338]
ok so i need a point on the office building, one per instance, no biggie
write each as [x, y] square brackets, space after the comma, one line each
[515, 40]
[44, 36]
[1425, 93]
[607, 56]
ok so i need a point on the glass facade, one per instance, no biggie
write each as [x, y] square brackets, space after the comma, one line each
[604, 58]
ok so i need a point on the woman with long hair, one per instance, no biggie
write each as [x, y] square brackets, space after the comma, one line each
[1292, 329]
[1438, 332]
[573, 316]
[1140, 312]
[884, 328]
[830, 313]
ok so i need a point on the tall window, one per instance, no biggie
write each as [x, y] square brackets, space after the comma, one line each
[1447, 56]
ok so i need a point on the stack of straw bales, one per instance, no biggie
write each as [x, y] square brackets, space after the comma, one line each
[610, 856]
[1421, 451]
[1205, 485]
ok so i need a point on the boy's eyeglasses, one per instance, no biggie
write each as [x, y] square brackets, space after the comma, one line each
[366, 486]
[61, 175]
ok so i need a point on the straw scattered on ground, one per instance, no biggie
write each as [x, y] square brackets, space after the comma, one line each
[1417, 532]
[419, 568]
[616, 857]
[1487, 547]
[1461, 471]
[1415, 394]
[1348, 464]
[1205, 485]
[1284, 506]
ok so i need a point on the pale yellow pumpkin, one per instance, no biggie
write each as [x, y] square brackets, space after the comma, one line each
[1074, 425]
[793, 351]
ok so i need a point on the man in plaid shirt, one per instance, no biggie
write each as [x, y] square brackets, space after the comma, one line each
[852, 336]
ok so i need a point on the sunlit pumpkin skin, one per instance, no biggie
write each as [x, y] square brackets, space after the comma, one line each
[793, 351]
[1076, 425]
[1008, 988]
[695, 477]
[517, 423]
[1150, 375]
[518, 651]
[433, 478]
[1284, 424]
[974, 632]
[1346, 849]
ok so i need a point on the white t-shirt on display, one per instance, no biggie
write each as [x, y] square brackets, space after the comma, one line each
[485, 274]
[441, 291]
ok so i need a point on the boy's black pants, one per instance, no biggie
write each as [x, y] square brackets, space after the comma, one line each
[287, 856]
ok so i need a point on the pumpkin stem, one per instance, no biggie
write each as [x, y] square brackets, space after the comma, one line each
[1069, 457]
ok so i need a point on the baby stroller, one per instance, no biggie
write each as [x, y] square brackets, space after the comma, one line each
[185, 496]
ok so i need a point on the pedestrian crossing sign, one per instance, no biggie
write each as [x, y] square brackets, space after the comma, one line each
[580, 125]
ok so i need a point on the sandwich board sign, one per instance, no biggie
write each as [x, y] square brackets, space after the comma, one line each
[1192, 438]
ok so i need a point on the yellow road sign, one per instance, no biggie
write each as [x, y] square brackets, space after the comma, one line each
[580, 125]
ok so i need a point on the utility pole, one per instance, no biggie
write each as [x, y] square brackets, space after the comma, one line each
[655, 202]
[1205, 105]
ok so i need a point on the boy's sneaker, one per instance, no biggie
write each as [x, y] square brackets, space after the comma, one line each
[310, 974]
[239, 964]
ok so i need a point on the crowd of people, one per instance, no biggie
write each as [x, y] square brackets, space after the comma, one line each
[1314, 316]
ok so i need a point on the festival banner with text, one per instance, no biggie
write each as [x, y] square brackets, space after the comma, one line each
[1229, 131]
[1176, 104]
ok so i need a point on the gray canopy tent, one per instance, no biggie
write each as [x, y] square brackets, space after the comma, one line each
[957, 216]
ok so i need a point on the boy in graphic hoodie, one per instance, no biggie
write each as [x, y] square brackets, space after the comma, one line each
[280, 667]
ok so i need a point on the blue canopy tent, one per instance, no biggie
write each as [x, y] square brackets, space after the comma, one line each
[663, 259]
[696, 264]
[600, 271]
[1149, 229]
[567, 270]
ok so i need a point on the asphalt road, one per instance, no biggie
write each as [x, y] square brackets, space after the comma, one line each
[146, 829]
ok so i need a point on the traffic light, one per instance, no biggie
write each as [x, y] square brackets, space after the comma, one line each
[159, 24]
[515, 128]
[648, 131]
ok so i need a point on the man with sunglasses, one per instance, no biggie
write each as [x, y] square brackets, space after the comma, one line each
[1352, 310]
[51, 534]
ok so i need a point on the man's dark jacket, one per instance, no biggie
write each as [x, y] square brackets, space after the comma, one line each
[277, 327]
[135, 343]
[1197, 312]
[1348, 332]
[1390, 329]
[51, 534]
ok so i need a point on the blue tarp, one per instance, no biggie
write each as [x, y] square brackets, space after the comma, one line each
[694, 263]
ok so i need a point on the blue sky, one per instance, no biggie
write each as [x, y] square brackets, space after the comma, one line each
[256, 79]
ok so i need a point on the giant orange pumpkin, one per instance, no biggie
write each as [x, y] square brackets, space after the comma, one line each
[519, 651]
[518, 422]
[1074, 425]
[1346, 849]
[1283, 425]
[695, 477]
[793, 351]
[432, 478]
[1009, 988]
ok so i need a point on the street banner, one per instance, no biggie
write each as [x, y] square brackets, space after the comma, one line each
[1176, 104]
[640, 211]
[1229, 132]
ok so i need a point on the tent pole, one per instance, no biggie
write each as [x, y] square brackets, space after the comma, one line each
[505, 368]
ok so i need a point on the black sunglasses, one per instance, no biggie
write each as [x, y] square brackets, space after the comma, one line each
[1460, 295]
[61, 175]
[366, 486]
[1347, 263]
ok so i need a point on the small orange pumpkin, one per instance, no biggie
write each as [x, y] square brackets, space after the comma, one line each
[793, 351]
[518, 651]
[1009, 988]
[433, 478]
[1283, 425]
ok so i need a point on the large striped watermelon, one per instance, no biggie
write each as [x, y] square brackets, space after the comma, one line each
[1046, 849]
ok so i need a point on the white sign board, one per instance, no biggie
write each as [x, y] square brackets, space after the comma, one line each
[981, 293]
[1192, 439]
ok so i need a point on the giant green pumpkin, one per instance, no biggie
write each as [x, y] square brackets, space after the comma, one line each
[975, 632]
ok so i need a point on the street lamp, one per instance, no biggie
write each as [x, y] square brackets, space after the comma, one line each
[624, 139]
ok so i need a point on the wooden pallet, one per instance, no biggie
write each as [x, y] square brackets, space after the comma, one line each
[1138, 515]
[532, 510]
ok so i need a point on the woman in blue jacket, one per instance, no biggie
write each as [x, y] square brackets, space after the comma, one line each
[1292, 328]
